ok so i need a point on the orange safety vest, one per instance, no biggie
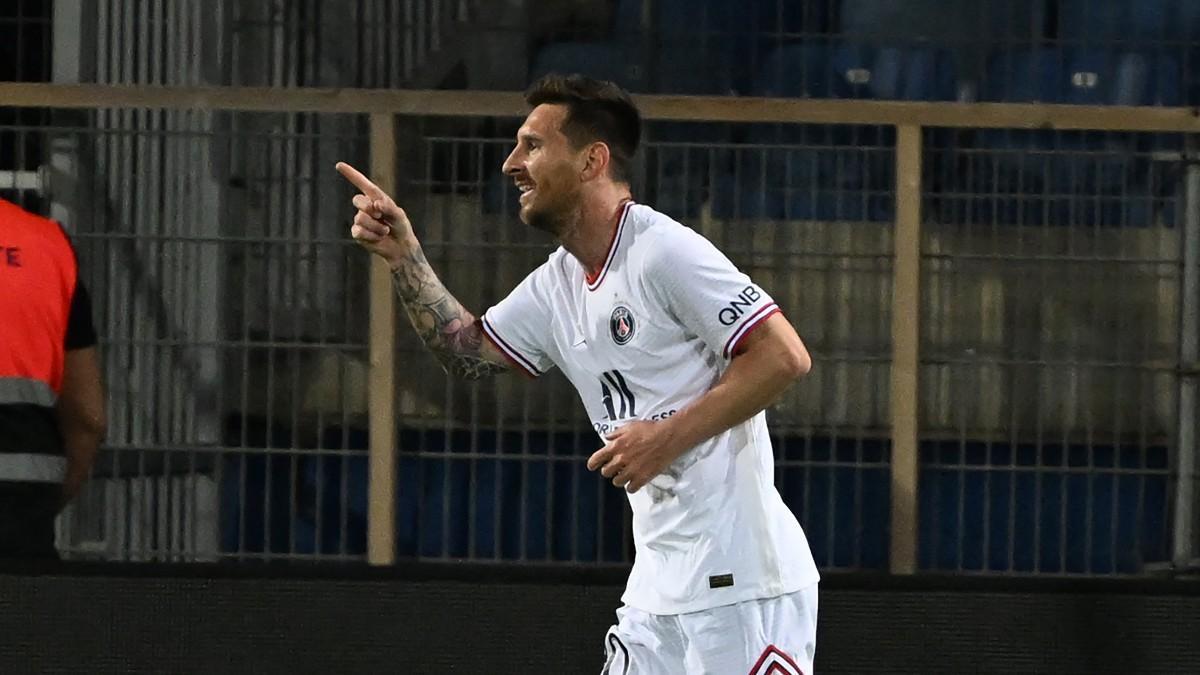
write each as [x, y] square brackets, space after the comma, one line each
[38, 273]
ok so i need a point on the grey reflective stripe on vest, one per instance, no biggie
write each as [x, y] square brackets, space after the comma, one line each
[24, 390]
[28, 467]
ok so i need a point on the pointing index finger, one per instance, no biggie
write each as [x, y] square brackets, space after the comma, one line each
[359, 181]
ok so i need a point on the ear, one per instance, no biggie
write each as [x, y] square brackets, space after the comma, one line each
[595, 161]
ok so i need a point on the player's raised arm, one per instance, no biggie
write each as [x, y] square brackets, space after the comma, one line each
[452, 333]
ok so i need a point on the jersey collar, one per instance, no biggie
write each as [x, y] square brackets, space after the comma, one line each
[593, 282]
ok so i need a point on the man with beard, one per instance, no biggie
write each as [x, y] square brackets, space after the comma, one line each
[675, 354]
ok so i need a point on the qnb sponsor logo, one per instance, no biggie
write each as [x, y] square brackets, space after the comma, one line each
[739, 306]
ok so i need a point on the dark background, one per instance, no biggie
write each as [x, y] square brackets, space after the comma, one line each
[459, 618]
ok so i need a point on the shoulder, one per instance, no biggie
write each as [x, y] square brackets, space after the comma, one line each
[558, 265]
[661, 242]
[34, 228]
[551, 274]
[13, 214]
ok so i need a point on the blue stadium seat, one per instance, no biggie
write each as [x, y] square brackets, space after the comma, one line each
[692, 45]
[601, 60]
[257, 498]
[828, 482]
[892, 73]
[1143, 22]
[1167, 28]
[678, 163]
[888, 20]
[1100, 22]
[790, 18]
[691, 56]
[1039, 517]
[503, 507]
[1018, 21]
[795, 71]
[807, 171]
[1023, 76]
[915, 22]
[1068, 177]
[754, 180]
[1147, 78]
[336, 487]
[1009, 181]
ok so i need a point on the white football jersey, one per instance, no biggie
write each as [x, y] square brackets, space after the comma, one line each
[652, 332]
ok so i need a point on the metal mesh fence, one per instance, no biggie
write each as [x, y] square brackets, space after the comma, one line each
[232, 312]
[1050, 350]
[25, 40]
[232, 309]
[496, 470]
[232, 321]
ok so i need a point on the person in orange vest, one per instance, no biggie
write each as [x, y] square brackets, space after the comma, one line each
[52, 417]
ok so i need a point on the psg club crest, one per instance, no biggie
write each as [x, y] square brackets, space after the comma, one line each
[621, 325]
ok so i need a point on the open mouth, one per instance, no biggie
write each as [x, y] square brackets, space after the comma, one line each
[526, 189]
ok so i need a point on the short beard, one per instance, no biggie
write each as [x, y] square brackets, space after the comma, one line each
[554, 223]
[546, 222]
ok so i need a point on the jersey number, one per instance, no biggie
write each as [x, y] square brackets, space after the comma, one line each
[612, 381]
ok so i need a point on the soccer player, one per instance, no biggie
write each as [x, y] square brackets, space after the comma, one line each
[675, 354]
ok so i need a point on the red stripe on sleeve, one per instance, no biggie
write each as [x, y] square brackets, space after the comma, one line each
[748, 326]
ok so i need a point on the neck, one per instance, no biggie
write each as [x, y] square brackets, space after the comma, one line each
[589, 237]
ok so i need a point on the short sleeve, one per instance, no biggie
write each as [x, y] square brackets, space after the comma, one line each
[706, 292]
[81, 332]
[519, 325]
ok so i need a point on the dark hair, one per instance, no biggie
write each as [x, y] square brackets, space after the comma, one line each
[596, 111]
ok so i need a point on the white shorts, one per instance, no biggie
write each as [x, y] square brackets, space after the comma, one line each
[771, 636]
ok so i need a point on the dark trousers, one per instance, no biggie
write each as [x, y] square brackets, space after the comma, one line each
[27, 512]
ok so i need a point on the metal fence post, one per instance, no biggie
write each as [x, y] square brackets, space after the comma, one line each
[1183, 550]
[906, 293]
[381, 405]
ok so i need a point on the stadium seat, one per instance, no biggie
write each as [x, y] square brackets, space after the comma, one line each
[1147, 78]
[678, 160]
[892, 21]
[916, 22]
[602, 60]
[892, 73]
[692, 44]
[1166, 28]
[1068, 177]
[1039, 518]
[809, 172]
[1008, 181]
[692, 56]
[1141, 22]
[1081, 21]
[499, 506]
[257, 498]
[753, 179]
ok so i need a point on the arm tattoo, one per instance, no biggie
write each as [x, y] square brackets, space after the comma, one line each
[444, 325]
